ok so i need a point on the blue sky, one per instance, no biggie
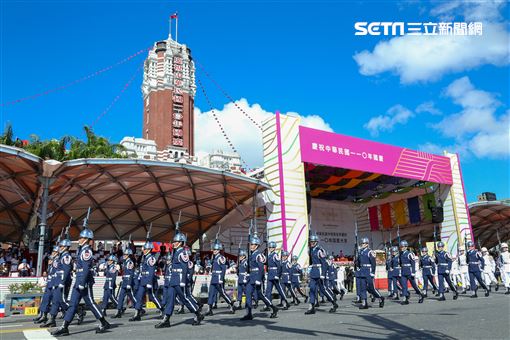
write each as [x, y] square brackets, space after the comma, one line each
[290, 56]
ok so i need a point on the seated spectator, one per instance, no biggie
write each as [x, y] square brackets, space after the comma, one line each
[24, 268]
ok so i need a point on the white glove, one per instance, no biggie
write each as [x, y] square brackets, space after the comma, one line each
[244, 281]
[60, 285]
[149, 286]
[412, 275]
[447, 271]
[182, 284]
[80, 287]
[276, 278]
[322, 277]
[258, 283]
[128, 287]
[220, 281]
[372, 275]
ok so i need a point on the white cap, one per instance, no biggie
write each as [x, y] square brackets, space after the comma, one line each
[484, 249]
[504, 245]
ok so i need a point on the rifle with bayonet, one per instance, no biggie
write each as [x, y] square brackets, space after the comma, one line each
[435, 245]
[356, 251]
[398, 246]
[86, 220]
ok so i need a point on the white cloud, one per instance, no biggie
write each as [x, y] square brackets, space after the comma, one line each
[477, 129]
[245, 136]
[428, 107]
[397, 114]
[428, 58]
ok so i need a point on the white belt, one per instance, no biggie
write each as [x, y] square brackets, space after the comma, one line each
[406, 265]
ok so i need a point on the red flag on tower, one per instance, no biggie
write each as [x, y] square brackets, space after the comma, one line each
[173, 16]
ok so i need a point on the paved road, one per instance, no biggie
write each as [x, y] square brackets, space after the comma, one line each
[482, 318]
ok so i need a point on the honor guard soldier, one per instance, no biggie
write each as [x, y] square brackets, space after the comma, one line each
[475, 264]
[389, 274]
[428, 267]
[295, 278]
[444, 266]
[318, 275]
[464, 269]
[61, 282]
[504, 265]
[408, 263]
[274, 269]
[147, 280]
[219, 267]
[396, 271]
[285, 278]
[367, 274]
[177, 284]
[44, 307]
[167, 277]
[332, 278]
[242, 277]
[109, 283]
[127, 283]
[83, 286]
[256, 261]
[188, 290]
[488, 271]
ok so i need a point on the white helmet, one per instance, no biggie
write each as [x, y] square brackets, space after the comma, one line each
[504, 245]
[484, 249]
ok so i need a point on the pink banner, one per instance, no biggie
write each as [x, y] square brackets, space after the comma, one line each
[340, 151]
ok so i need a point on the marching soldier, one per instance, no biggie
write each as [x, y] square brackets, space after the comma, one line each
[464, 270]
[274, 269]
[367, 274]
[167, 274]
[256, 261]
[295, 278]
[44, 308]
[407, 261]
[476, 264]
[396, 271]
[318, 275]
[332, 277]
[285, 278]
[242, 277]
[488, 271]
[147, 279]
[109, 283]
[83, 286]
[504, 265]
[444, 267]
[428, 267]
[188, 290]
[127, 283]
[179, 266]
[219, 267]
[61, 282]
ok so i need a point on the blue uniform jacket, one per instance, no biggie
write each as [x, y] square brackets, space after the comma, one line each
[219, 267]
[427, 265]
[147, 269]
[189, 272]
[388, 268]
[319, 265]
[444, 262]
[274, 266]
[111, 276]
[242, 276]
[50, 279]
[396, 269]
[408, 261]
[128, 272]
[367, 263]
[257, 261]
[295, 273]
[285, 273]
[476, 261]
[168, 275]
[84, 274]
[180, 261]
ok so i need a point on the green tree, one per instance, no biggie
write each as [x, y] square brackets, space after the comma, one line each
[7, 138]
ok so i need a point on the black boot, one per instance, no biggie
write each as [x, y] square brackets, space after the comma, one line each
[474, 296]
[342, 293]
[161, 314]
[42, 319]
[136, 317]
[287, 305]
[487, 292]
[142, 312]
[455, 295]
[364, 304]
[232, 308]
[381, 302]
[280, 305]
[39, 317]
[507, 291]
[396, 298]
[51, 323]
[422, 297]
[406, 301]
[104, 313]
[247, 317]
[215, 306]
[265, 309]
[442, 298]
[334, 308]
[117, 315]
[62, 330]
[103, 326]
[81, 315]
[274, 314]
[497, 287]
[310, 310]
[198, 318]
[373, 299]
[210, 312]
[181, 310]
[165, 323]
[306, 298]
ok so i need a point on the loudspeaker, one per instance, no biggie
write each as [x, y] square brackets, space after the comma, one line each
[437, 214]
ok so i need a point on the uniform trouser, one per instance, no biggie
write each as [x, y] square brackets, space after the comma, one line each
[288, 286]
[317, 285]
[442, 277]
[214, 289]
[489, 278]
[177, 292]
[76, 296]
[241, 288]
[152, 297]
[46, 299]
[269, 289]
[58, 301]
[367, 284]
[189, 294]
[427, 279]
[396, 284]
[505, 277]
[464, 280]
[297, 286]
[403, 281]
[358, 286]
[166, 294]
[123, 291]
[254, 291]
[472, 282]
[109, 294]
[391, 289]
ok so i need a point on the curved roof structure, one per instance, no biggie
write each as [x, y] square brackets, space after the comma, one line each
[125, 196]
[488, 218]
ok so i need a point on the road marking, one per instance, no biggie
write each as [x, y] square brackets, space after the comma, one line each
[40, 334]
[19, 330]
[12, 325]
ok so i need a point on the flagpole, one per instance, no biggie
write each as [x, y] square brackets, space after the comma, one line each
[176, 26]
[170, 28]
